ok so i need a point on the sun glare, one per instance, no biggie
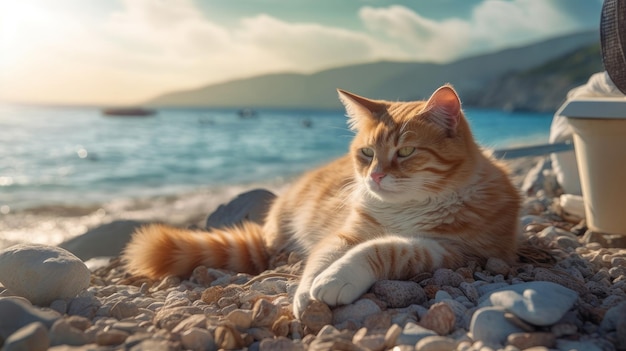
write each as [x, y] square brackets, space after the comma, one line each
[21, 27]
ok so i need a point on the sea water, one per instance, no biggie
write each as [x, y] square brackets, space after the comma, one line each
[77, 156]
[78, 159]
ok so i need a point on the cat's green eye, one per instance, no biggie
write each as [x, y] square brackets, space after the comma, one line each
[405, 151]
[367, 152]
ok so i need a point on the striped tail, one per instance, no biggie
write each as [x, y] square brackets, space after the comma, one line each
[157, 250]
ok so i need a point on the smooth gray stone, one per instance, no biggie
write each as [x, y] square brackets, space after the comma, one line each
[17, 312]
[32, 337]
[249, 206]
[540, 303]
[491, 327]
[357, 311]
[412, 334]
[107, 240]
[614, 316]
[568, 345]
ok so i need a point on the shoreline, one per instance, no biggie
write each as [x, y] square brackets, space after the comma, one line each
[53, 224]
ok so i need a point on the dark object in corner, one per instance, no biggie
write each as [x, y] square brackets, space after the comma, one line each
[613, 40]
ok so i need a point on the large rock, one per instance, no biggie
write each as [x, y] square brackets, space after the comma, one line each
[107, 240]
[42, 273]
[250, 206]
[17, 313]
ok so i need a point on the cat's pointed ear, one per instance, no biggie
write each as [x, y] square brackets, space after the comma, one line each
[358, 108]
[444, 106]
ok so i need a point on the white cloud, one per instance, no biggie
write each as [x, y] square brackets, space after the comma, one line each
[493, 24]
[416, 36]
[152, 46]
[500, 22]
[192, 50]
[172, 27]
[303, 45]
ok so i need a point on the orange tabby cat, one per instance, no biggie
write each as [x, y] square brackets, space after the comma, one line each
[414, 193]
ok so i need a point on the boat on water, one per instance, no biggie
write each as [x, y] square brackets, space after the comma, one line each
[247, 113]
[128, 112]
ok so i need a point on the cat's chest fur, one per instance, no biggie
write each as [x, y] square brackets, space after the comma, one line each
[418, 217]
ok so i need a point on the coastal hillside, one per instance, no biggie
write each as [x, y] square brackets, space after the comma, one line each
[384, 80]
[541, 88]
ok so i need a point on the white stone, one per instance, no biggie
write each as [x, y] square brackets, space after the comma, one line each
[42, 273]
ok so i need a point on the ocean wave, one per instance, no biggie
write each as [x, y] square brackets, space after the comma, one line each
[54, 224]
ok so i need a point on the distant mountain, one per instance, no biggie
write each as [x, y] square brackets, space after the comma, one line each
[382, 80]
[542, 88]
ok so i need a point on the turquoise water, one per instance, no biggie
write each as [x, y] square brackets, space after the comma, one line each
[76, 156]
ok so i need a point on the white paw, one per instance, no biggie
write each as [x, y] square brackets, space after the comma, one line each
[301, 299]
[341, 284]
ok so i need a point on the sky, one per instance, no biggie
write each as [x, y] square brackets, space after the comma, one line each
[117, 52]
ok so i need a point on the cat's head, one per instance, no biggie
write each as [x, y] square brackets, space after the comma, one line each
[405, 151]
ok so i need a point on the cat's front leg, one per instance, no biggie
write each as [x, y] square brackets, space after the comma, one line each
[321, 258]
[344, 280]
[388, 257]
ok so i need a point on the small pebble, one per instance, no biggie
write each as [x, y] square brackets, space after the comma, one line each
[369, 342]
[489, 326]
[497, 266]
[525, 341]
[280, 344]
[62, 333]
[197, 339]
[436, 343]
[227, 337]
[316, 315]
[440, 318]
[242, 319]
[32, 337]
[412, 333]
[399, 293]
[111, 337]
[264, 313]
[356, 311]
[448, 277]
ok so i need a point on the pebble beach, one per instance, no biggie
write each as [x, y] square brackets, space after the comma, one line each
[572, 298]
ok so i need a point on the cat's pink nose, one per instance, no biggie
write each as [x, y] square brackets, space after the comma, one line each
[377, 176]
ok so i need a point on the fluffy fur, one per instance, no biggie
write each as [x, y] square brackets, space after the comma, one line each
[414, 193]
